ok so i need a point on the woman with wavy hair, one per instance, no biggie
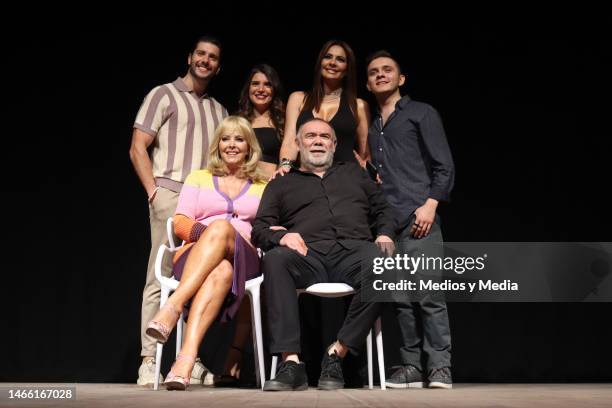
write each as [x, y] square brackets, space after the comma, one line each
[214, 213]
[261, 103]
[333, 98]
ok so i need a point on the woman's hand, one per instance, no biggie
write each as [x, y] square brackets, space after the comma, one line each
[362, 162]
[281, 171]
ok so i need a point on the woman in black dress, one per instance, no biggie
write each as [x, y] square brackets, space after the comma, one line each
[261, 103]
[333, 98]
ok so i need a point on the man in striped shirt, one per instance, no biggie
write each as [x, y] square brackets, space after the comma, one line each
[176, 122]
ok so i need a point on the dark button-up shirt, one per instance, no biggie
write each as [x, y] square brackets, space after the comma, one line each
[412, 156]
[334, 208]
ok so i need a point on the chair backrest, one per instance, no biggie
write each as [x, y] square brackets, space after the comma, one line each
[171, 248]
[170, 233]
[169, 282]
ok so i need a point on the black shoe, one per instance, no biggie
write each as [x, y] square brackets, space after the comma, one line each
[226, 380]
[440, 378]
[405, 376]
[291, 376]
[331, 372]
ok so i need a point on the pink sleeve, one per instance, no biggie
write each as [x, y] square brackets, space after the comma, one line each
[188, 200]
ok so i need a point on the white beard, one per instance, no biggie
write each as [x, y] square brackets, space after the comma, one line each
[320, 161]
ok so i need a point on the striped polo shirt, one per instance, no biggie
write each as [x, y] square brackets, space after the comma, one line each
[183, 125]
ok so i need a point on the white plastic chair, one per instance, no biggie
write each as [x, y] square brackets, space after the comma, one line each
[252, 288]
[333, 290]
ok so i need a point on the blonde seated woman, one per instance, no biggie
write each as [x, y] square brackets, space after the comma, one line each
[214, 214]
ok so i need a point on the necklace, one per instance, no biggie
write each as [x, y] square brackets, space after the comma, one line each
[334, 94]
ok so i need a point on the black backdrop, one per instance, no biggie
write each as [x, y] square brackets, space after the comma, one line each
[521, 99]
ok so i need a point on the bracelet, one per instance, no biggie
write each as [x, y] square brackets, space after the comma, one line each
[286, 162]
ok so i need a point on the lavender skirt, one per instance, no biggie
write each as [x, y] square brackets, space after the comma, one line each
[246, 266]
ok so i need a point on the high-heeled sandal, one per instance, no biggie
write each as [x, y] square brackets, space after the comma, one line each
[160, 331]
[178, 382]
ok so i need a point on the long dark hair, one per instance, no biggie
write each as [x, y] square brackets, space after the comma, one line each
[277, 106]
[349, 82]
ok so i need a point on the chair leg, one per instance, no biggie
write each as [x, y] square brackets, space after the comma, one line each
[273, 368]
[381, 354]
[160, 347]
[254, 295]
[158, 357]
[179, 334]
[369, 354]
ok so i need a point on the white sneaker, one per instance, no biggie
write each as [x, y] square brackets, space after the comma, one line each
[146, 373]
[200, 374]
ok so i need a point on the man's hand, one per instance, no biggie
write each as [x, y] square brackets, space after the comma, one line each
[293, 240]
[385, 244]
[152, 194]
[425, 216]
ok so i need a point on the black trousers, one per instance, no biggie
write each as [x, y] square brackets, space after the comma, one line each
[426, 338]
[285, 271]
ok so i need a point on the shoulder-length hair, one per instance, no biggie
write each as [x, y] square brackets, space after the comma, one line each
[217, 166]
[277, 106]
[314, 98]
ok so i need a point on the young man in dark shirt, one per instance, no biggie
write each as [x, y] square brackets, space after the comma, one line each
[324, 210]
[413, 159]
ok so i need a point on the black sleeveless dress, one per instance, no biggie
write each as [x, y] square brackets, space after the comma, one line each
[345, 126]
[269, 143]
